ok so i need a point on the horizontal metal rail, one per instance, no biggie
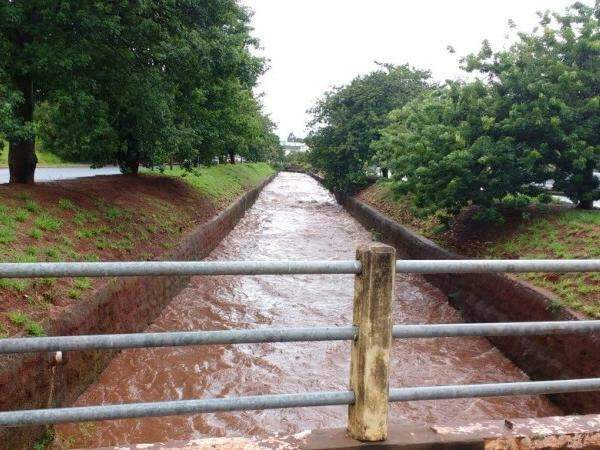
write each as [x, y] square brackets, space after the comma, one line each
[171, 408]
[493, 389]
[260, 335]
[496, 329]
[159, 268]
[166, 268]
[497, 265]
[179, 407]
[179, 338]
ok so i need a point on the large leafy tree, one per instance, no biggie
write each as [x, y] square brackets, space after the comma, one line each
[445, 149]
[172, 87]
[549, 84]
[349, 118]
[124, 81]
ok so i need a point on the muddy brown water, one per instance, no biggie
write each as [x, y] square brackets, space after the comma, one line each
[294, 218]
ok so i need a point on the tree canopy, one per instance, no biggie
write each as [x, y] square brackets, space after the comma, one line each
[531, 118]
[133, 82]
[349, 118]
[548, 89]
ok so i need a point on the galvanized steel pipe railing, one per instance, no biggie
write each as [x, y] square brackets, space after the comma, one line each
[171, 408]
[173, 339]
[493, 389]
[497, 265]
[178, 268]
[179, 407]
[174, 268]
[496, 329]
[260, 335]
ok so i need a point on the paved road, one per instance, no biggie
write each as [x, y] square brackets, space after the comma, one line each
[63, 173]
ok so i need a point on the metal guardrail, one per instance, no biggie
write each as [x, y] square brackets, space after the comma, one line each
[259, 402]
[374, 270]
[264, 335]
[170, 268]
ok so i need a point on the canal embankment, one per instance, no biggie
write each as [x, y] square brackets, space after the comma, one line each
[501, 298]
[112, 218]
[293, 218]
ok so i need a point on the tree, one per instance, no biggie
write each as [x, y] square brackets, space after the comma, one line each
[348, 119]
[124, 81]
[445, 149]
[549, 84]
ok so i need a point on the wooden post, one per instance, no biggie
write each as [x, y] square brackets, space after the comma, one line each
[369, 367]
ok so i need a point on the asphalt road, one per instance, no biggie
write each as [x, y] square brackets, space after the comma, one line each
[63, 173]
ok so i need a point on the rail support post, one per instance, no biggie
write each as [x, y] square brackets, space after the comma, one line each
[369, 367]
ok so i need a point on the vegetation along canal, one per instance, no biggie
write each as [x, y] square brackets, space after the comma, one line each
[294, 218]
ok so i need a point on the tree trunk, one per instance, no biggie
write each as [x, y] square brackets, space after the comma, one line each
[222, 159]
[384, 172]
[589, 184]
[232, 157]
[21, 153]
[130, 162]
[133, 167]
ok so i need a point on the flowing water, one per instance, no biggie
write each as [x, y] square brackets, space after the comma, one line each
[294, 218]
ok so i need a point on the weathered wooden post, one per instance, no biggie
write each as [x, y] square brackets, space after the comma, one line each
[369, 367]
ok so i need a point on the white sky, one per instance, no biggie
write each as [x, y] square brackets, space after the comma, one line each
[313, 45]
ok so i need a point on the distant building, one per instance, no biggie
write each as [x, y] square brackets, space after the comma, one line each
[293, 144]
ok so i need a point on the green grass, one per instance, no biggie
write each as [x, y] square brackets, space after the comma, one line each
[75, 294]
[21, 215]
[223, 181]
[82, 283]
[542, 234]
[45, 158]
[15, 285]
[31, 327]
[7, 235]
[32, 206]
[39, 302]
[400, 208]
[86, 234]
[113, 213]
[65, 203]
[48, 223]
[570, 234]
[36, 233]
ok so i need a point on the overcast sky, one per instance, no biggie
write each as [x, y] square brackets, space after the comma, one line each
[313, 45]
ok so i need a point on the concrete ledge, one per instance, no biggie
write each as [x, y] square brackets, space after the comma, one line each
[571, 432]
[123, 305]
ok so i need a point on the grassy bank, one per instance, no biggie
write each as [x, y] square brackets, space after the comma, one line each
[552, 231]
[104, 218]
[223, 182]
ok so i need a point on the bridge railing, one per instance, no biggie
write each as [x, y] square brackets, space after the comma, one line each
[371, 335]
